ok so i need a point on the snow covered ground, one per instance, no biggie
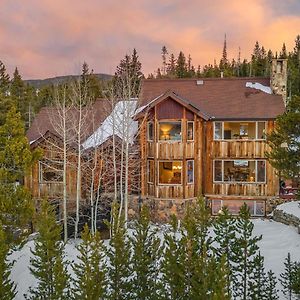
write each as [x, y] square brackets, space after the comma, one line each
[278, 239]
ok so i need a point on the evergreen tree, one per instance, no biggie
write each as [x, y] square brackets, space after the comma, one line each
[7, 287]
[224, 229]
[270, 287]
[145, 259]
[128, 76]
[4, 80]
[181, 67]
[17, 85]
[257, 280]
[284, 142]
[118, 253]
[296, 279]
[15, 160]
[220, 278]
[90, 282]
[224, 60]
[283, 53]
[173, 264]
[47, 263]
[244, 251]
[286, 278]
[171, 68]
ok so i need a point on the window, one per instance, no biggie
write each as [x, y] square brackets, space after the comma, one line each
[190, 171]
[252, 171]
[50, 171]
[239, 130]
[218, 129]
[170, 131]
[257, 208]
[150, 171]
[190, 131]
[170, 172]
[261, 130]
[150, 131]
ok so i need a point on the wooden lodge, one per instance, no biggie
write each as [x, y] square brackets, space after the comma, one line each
[208, 137]
[196, 137]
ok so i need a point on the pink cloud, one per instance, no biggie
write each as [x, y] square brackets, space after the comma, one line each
[53, 37]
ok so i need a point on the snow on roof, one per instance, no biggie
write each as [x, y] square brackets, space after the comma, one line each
[120, 122]
[291, 208]
[259, 86]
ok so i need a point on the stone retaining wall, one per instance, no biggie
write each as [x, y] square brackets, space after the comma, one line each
[287, 219]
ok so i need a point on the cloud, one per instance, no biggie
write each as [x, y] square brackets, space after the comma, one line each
[54, 37]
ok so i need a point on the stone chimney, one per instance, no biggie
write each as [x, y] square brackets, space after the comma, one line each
[278, 80]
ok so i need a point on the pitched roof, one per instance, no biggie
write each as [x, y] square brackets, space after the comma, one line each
[219, 98]
[48, 118]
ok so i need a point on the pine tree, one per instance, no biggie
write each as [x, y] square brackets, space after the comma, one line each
[181, 67]
[118, 253]
[145, 260]
[90, 281]
[7, 287]
[284, 142]
[224, 60]
[173, 264]
[244, 250]
[17, 85]
[270, 287]
[220, 279]
[283, 53]
[128, 76]
[4, 80]
[257, 280]
[224, 229]
[171, 69]
[47, 263]
[15, 160]
[296, 279]
[286, 278]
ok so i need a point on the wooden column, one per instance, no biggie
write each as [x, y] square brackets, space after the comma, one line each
[184, 142]
[155, 140]
[143, 143]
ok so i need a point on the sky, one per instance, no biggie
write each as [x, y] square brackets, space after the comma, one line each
[47, 38]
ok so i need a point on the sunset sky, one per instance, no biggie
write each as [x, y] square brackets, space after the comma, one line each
[46, 38]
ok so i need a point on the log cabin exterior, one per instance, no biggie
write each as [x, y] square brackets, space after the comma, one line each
[208, 137]
[196, 137]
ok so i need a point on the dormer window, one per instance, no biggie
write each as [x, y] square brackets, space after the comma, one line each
[170, 131]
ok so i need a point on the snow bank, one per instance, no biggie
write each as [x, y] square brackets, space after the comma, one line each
[259, 86]
[120, 122]
[291, 208]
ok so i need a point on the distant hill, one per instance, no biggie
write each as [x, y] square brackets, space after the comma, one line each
[39, 83]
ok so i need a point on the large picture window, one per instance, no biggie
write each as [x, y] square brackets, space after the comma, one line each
[256, 207]
[252, 171]
[239, 130]
[170, 131]
[170, 172]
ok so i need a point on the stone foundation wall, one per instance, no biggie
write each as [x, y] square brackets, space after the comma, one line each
[160, 210]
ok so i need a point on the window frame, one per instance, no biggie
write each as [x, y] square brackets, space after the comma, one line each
[170, 184]
[169, 121]
[47, 163]
[187, 128]
[153, 131]
[190, 160]
[240, 182]
[248, 139]
[223, 201]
